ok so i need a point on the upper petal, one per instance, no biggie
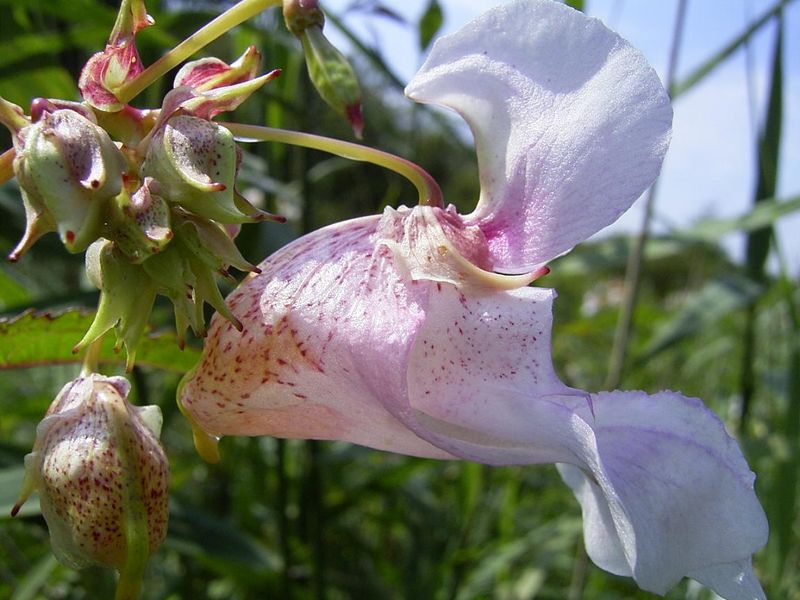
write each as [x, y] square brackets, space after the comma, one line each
[570, 122]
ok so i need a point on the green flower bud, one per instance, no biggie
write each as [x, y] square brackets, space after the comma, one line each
[194, 162]
[333, 77]
[102, 477]
[68, 168]
[126, 297]
[329, 71]
[139, 224]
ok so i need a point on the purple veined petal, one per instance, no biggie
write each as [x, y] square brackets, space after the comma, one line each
[666, 493]
[570, 122]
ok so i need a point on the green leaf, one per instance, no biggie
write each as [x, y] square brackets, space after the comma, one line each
[576, 4]
[758, 241]
[42, 338]
[763, 214]
[430, 23]
[723, 54]
[715, 300]
[30, 586]
[11, 292]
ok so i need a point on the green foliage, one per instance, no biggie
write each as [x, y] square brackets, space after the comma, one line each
[298, 520]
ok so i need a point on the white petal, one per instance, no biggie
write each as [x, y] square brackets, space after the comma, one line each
[679, 495]
[570, 122]
[480, 374]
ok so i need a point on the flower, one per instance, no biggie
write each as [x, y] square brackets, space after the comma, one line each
[415, 331]
[106, 72]
[101, 475]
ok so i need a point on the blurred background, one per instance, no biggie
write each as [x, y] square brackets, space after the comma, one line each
[695, 289]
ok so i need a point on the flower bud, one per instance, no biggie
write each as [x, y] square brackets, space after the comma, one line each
[210, 73]
[329, 71]
[107, 71]
[333, 77]
[126, 297]
[194, 162]
[101, 475]
[67, 168]
[139, 224]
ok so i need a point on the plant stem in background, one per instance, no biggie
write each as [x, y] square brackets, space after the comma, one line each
[622, 335]
[633, 272]
[7, 165]
[758, 241]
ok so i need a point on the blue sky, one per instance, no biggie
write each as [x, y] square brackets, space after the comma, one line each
[709, 170]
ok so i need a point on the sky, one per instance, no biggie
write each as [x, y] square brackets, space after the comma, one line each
[710, 167]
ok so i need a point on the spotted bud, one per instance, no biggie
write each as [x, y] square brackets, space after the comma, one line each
[101, 475]
[68, 168]
[139, 224]
[194, 162]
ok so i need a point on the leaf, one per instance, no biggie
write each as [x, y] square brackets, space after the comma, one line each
[712, 302]
[11, 292]
[758, 241]
[763, 214]
[41, 338]
[722, 55]
[576, 4]
[30, 586]
[430, 23]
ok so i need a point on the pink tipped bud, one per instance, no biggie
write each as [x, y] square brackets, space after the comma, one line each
[210, 73]
[106, 72]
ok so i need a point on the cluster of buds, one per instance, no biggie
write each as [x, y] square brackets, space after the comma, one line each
[149, 195]
[102, 477]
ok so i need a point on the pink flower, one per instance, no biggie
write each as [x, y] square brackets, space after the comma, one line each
[415, 331]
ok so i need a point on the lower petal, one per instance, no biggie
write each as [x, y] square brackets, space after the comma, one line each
[666, 493]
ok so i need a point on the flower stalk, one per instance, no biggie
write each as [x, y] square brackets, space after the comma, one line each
[430, 194]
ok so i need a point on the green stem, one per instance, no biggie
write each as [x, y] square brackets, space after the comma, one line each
[429, 192]
[92, 357]
[633, 271]
[232, 17]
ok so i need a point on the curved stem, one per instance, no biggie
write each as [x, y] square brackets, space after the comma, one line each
[232, 17]
[429, 192]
